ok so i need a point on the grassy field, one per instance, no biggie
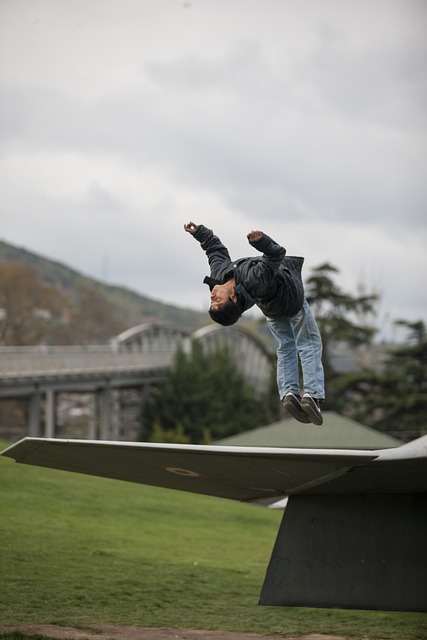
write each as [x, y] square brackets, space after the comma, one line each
[77, 551]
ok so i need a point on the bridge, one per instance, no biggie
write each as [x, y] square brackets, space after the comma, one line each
[136, 359]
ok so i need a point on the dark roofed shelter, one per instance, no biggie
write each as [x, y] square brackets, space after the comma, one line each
[337, 432]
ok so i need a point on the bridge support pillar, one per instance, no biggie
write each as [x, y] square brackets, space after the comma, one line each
[115, 414]
[105, 414]
[109, 422]
[93, 419]
[50, 414]
[34, 422]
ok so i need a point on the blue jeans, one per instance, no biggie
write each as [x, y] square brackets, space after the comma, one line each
[298, 336]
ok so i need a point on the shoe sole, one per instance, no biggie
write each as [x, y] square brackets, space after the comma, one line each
[299, 415]
[314, 416]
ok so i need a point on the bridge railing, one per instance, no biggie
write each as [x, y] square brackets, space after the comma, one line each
[18, 362]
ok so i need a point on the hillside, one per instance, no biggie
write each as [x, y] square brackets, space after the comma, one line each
[134, 308]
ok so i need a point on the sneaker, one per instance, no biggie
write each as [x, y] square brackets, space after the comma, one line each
[311, 407]
[292, 403]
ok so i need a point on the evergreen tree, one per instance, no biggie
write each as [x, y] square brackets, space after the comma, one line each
[203, 398]
[341, 316]
[397, 398]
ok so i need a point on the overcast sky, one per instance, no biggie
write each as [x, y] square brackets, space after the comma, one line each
[123, 119]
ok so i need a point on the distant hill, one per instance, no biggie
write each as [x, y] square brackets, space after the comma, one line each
[134, 308]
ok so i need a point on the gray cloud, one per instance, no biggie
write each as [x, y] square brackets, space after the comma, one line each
[308, 123]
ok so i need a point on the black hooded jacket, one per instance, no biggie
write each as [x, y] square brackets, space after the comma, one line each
[272, 281]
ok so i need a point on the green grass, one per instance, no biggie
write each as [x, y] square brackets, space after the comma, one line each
[80, 551]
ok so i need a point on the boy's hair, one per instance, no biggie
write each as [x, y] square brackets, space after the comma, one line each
[229, 313]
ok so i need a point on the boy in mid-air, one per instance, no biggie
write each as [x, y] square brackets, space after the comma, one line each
[273, 282]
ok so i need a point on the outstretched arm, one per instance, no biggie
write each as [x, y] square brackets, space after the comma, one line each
[217, 254]
[273, 252]
[273, 255]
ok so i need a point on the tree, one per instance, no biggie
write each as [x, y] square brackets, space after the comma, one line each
[31, 312]
[95, 320]
[203, 398]
[341, 316]
[397, 401]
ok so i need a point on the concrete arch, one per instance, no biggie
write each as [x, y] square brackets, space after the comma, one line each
[150, 337]
[247, 350]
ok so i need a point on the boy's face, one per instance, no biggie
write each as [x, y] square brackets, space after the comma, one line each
[220, 294]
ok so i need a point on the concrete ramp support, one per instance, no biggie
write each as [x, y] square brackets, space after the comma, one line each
[350, 551]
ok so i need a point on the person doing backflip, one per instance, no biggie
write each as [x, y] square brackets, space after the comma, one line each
[273, 282]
